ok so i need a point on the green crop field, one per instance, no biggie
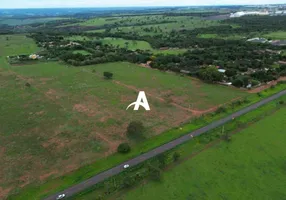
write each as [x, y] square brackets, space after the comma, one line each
[276, 35]
[251, 166]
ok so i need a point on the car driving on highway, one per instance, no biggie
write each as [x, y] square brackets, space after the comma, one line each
[61, 196]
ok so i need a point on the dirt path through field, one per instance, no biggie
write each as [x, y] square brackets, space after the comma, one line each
[263, 87]
[194, 112]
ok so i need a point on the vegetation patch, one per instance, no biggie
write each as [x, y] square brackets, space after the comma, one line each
[225, 167]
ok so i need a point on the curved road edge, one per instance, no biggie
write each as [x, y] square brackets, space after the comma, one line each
[143, 157]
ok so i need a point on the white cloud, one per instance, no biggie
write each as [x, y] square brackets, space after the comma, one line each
[115, 3]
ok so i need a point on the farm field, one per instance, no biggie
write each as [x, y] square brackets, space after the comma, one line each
[251, 166]
[276, 35]
[70, 116]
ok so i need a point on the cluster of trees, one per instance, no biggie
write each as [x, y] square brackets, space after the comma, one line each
[57, 47]
[243, 58]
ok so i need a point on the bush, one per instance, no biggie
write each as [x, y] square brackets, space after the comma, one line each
[123, 148]
[107, 75]
[176, 156]
[237, 83]
[162, 158]
[254, 83]
[155, 173]
[221, 109]
[272, 86]
[281, 102]
[226, 137]
[135, 129]
[28, 85]
[259, 94]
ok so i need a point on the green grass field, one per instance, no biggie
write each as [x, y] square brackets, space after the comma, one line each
[83, 52]
[276, 35]
[16, 44]
[122, 43]
[228, 37]
[169, 51]
[251, 166]
[181, 23]
[119, 20]
[181, 90]
[130, 44]
[72, 116]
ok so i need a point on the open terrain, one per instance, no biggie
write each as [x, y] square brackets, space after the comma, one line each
[117, 42]
[251, 166]
[16, 45]
[67, 117]
[276, 35]
[27, 21]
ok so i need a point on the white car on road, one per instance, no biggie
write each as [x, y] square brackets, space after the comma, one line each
[61, 196]
[126, 166]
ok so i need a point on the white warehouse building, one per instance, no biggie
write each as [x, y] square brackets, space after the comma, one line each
[242, 13]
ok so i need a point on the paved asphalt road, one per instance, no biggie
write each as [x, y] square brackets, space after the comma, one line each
[141, 158]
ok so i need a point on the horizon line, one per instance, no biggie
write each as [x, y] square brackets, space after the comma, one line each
[142, 6]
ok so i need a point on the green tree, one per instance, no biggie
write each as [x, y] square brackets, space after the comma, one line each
[136, 130]
[237, 83]
[123, 148]
[210, 74]
[176, 156]
[162, 158]
[107, 75]
[155, 173]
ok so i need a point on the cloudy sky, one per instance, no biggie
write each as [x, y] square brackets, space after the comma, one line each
[119, 3]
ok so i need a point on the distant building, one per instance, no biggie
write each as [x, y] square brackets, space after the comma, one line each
[243, 13]
[282, 62]
[221, 70]
[185, 71]
[33, 56]
[278, 42]
[260, 40]
[164, 48]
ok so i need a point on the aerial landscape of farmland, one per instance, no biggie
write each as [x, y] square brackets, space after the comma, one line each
[214, 79]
